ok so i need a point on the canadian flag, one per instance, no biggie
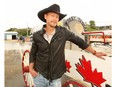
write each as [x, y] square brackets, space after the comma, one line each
[85, 69]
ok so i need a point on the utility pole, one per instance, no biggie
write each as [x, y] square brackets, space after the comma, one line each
[27, 29]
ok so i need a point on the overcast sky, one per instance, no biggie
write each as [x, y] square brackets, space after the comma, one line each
[23, 13]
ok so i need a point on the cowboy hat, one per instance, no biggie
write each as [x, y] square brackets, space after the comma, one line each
[53, 8]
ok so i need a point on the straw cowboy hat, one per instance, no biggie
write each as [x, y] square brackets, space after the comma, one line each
[53, 8]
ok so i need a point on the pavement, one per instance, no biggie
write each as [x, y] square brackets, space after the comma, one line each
[13, 67]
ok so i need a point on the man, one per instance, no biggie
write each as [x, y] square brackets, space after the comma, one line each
[47, 59]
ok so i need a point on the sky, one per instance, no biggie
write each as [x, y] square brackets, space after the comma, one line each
[23, 13]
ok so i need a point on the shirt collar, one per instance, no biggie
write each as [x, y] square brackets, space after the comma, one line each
[43, 29]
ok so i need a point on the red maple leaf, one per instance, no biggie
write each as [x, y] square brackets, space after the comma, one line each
[85, 69]
[68, 66]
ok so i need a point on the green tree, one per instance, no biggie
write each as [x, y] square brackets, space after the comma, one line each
[92, 24]
[22, 31]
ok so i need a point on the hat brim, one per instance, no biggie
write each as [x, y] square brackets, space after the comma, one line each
[44, 11]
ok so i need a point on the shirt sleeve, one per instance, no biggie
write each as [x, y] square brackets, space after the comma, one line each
[33, 51]
[70, 36]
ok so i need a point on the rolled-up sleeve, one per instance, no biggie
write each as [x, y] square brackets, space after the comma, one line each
[70, 36]
[33, 51]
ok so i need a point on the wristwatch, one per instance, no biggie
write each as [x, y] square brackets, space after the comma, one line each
[94, 52]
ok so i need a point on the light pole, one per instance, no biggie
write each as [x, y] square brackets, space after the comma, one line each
[27, 29]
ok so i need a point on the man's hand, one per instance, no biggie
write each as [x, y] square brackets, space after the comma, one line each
[97, 54]
[100, 55]
[33, 72]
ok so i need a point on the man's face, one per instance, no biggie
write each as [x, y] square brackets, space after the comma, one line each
[51, 19]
